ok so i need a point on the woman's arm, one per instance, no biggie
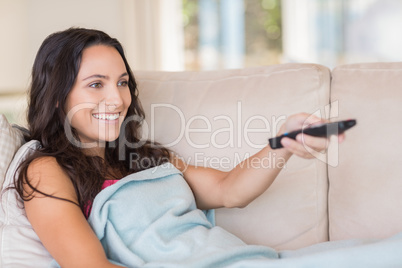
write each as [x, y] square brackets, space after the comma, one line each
[59, 224]
[249, 179]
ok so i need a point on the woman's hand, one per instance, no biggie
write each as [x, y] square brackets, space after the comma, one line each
[304, 146]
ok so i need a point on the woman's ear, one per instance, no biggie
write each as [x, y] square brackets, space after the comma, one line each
[57, 104]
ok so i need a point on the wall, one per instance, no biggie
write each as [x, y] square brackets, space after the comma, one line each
[140, 26]
[150, 30]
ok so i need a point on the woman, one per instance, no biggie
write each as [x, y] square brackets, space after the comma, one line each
[83, 102]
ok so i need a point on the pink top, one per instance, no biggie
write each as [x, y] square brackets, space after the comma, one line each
[108, 183]
[105, 184]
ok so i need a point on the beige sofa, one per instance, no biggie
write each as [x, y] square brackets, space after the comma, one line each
[218, 118]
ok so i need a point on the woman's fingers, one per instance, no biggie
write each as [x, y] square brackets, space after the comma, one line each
[318, 144]
[305, 146]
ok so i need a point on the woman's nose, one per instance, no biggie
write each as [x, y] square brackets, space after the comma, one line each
[114, 98]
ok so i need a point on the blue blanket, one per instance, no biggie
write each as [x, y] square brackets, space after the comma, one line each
[150, 219]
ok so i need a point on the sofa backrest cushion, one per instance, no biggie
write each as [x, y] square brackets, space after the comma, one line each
[218, 118]
[365, 195]
[20, 246]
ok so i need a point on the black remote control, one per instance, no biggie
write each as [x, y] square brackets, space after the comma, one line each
[322, 130]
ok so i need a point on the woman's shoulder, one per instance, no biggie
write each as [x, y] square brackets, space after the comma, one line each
[43, 166]
[49, 160]
[47, 176]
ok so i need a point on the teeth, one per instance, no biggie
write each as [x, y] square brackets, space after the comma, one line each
[106, 116]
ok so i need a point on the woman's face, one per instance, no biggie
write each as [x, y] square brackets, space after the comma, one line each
[99, 99]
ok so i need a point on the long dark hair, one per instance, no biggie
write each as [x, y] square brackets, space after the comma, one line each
[54, 72]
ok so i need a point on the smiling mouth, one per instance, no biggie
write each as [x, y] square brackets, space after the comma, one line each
[109, 117]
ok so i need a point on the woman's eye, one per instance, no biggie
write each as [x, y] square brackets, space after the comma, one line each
[122, 83]
[95, 85]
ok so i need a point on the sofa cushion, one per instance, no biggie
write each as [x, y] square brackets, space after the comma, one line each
[10, 140]
[365, 195]
[218, 118]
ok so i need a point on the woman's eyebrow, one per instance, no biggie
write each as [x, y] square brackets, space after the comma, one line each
[103, 76]
[124, 74]
[96, 76]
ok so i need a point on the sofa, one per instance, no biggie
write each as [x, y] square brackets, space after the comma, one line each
[219, 118]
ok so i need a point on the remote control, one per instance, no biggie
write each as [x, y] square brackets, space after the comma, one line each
[322, 130]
